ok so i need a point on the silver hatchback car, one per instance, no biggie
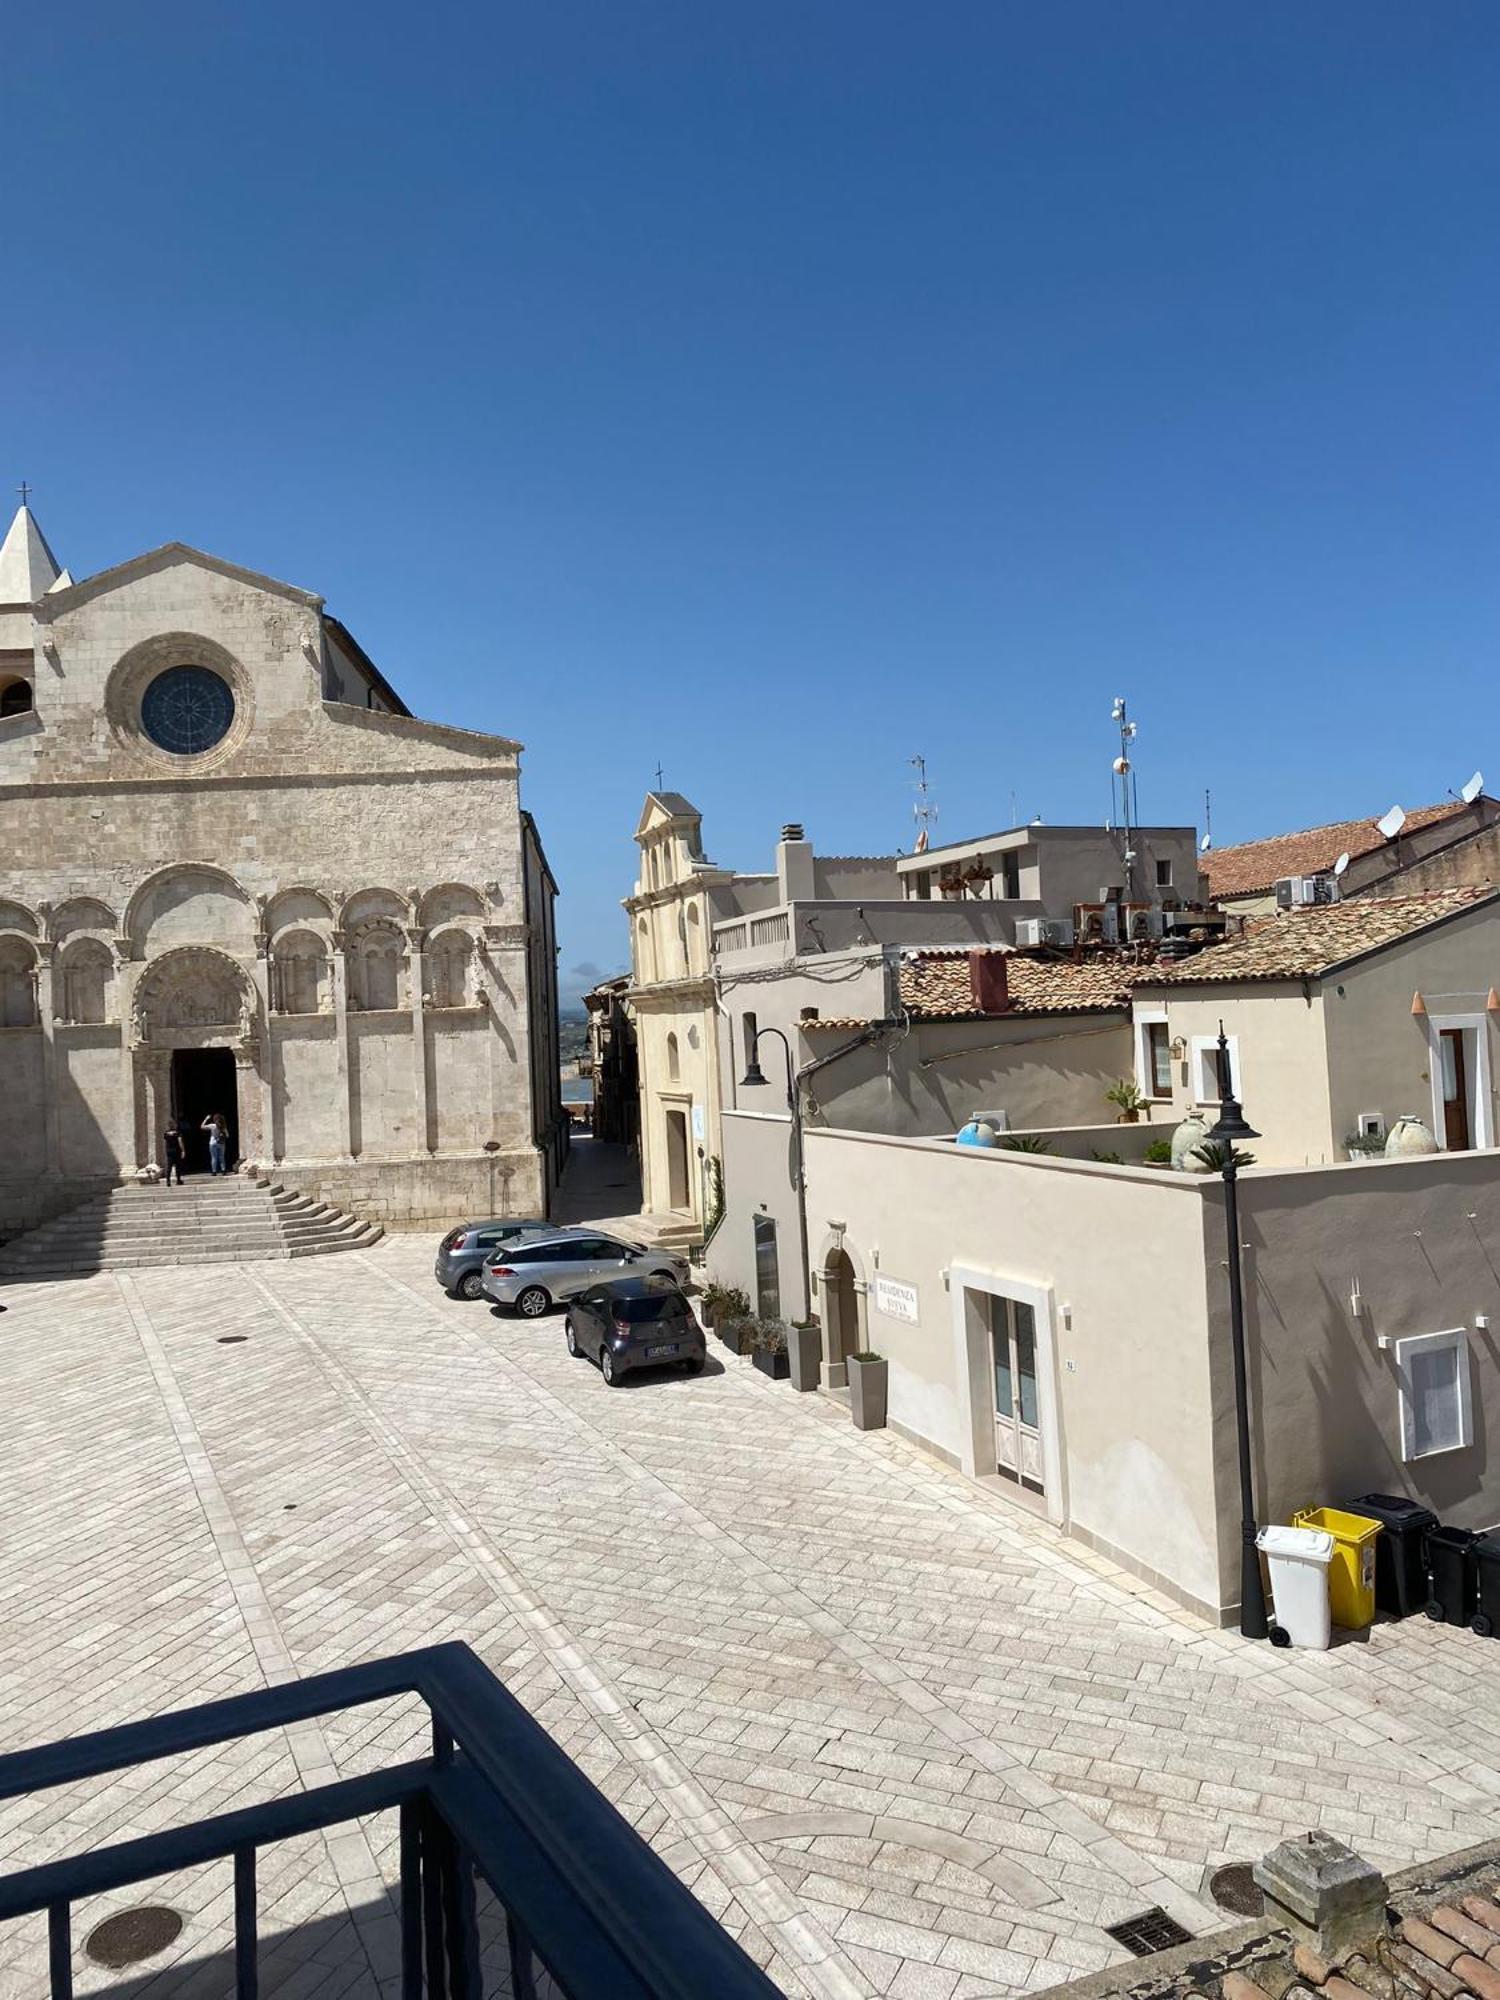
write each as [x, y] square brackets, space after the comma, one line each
[534, 1274]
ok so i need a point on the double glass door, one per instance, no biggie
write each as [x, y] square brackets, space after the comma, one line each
[1018, 1437]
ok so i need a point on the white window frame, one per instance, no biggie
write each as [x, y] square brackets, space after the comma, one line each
[1148, 1017]
[1481, 1100]
[1456, 1337]
[1205, 1045]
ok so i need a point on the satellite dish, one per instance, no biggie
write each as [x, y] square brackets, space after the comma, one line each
[1340, 865]
[1393, 822]
[1205, 843]
[1472, 790]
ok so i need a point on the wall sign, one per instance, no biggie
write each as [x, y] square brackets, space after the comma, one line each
[896, 1299]
[698, 1127]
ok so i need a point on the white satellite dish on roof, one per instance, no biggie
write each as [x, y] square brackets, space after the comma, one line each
[1472, 790]
[1205, 843]
[1340, 865]
[1393, 822]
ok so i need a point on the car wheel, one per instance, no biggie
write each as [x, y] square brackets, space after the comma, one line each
[572, 1340]
[470, 1285]
[693, 1367]
[533, 1302]
[607, 1367]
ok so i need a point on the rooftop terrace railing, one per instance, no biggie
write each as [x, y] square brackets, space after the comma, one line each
[590, 1913]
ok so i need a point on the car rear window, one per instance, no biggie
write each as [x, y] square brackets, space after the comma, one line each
[671, 1305]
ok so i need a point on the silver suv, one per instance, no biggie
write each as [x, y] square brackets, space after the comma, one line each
[532, 1275]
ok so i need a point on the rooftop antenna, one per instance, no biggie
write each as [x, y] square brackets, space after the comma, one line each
[1208, 823]
[1123, 799]
[1392, 824]
[1472, 790]
[924, 812]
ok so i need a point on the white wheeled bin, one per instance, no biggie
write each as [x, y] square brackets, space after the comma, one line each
[1298, 1559]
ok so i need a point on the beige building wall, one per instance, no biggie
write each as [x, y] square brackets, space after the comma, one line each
[1125, 1270]
[1276, 1037]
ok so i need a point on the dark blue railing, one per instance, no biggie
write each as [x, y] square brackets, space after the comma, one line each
[584, 1897]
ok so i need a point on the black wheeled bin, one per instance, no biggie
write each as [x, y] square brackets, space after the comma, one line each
[1400, 1566]
[1486, 1565]
[1451, 1572]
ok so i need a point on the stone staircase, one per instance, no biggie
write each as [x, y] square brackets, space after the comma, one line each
[223, 1220]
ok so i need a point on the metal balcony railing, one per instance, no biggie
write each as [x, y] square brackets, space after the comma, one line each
[589, 1912]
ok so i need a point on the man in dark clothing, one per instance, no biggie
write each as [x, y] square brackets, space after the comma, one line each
[175, 1149]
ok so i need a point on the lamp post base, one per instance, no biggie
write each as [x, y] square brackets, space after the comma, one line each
[1253, 1621]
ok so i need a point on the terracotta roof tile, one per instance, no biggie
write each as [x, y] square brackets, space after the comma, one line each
[935, 985]
[1302, 944]
[1255, 864]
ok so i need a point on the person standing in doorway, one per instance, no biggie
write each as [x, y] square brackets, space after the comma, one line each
[217, 1128]
[174, 1150]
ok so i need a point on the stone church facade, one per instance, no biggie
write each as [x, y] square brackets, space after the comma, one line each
[237, 874]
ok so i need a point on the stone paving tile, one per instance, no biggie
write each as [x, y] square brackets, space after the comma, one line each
[902, 1737]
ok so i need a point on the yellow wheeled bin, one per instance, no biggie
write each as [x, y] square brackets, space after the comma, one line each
[1351, 1574]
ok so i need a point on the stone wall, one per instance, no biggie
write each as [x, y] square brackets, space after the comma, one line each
[426, 1194]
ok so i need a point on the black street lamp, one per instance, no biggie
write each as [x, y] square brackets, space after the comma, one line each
[754, 1075]
[1231, 1128]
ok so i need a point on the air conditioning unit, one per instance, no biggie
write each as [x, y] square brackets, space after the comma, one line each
[1057, 930]
[1029, 932]
[1300, 892]
[1143, 924]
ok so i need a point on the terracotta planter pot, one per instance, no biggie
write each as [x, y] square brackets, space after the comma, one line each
[805, 1350]
[867, 1393]
[777, 1366]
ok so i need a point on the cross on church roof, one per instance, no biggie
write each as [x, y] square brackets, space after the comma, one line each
[25, 492]
[658, 777]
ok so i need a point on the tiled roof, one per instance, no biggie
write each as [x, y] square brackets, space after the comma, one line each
[1255, 864]
[1302, 944]
[936, 984]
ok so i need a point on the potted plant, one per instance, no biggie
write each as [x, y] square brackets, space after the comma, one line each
[1129, 1100]
[717, 1303]
[867, 1391]
[1364, 1146]
[768, 1348]
[805, 1352]
[1214, 1157]
[1024, 1142]
[735, 1334]
[1158, 1153]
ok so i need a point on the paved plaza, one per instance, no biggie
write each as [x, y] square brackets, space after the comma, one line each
[904, 1738]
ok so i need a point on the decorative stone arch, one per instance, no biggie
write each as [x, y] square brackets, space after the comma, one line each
[448, 903]
[298, 907]
[299, 973]
[18, 981]
[376, 958]
[16, 917]
[137, 668]
[132, 927]
[674, 1057]
[843, 1305]
[362, 905]
[82, 916]
[448, 962]
[83, 982]
[195, 996]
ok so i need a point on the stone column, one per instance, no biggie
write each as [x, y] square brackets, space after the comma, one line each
[416, 976]
[127, 972]
[254, 1099]
[344, 1089]
[46, 954]
[268, 1149]
[155, 1069]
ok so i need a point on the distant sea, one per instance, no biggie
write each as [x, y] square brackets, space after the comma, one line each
[578, 1090]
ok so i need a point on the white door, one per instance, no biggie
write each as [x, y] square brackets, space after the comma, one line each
[1018, 1437]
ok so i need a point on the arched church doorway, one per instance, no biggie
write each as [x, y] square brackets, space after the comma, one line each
[205, 1081]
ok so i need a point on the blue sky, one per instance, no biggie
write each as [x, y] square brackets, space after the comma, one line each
[780, 390]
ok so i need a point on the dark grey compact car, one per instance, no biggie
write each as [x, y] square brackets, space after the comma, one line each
[631, 1323]
[461, 1254]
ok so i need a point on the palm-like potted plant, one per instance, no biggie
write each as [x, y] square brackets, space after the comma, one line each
[868, 1384]
[1129, 1101]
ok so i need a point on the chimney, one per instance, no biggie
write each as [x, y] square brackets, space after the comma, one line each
[988, 983]
[794, 866]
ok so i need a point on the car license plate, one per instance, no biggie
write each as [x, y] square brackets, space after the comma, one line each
[655, 1353]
